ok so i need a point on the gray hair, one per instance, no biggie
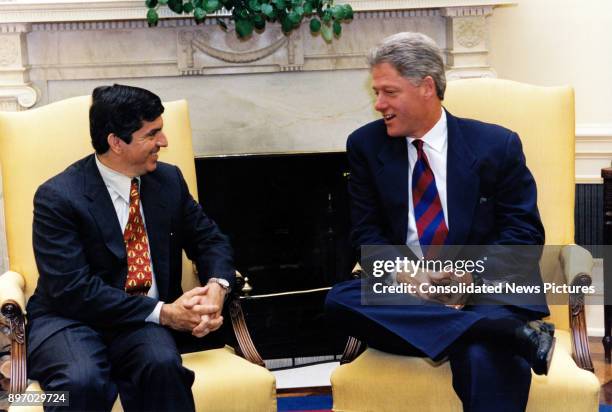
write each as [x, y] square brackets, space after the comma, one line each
[414, 56]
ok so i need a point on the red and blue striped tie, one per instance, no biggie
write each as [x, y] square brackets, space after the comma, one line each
[428, 212]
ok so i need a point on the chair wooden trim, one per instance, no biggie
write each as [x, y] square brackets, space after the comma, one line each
[578, 329]
[16, 333]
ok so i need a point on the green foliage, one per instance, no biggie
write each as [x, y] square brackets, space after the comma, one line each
[152, 17]
[315, 25]
[248, 15]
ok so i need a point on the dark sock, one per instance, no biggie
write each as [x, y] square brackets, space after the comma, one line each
[497, 331]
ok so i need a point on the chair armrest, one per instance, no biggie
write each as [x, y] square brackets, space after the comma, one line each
[577, 264]
[246, 347]
[12, 307]
[12, 289]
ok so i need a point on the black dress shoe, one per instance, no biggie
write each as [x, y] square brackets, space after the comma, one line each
[536, 345]
[545, 327]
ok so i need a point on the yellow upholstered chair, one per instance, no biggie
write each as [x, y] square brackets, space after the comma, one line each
[544, 118]
[39, 143]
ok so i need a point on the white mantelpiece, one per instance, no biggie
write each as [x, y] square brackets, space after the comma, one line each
[43, 41]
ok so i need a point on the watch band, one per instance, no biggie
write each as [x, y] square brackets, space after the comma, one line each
[224, 283]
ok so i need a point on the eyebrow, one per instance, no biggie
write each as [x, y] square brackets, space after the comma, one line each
[154, 131]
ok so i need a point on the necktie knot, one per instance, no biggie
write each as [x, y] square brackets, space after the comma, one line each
[134, 190]
[418, 143]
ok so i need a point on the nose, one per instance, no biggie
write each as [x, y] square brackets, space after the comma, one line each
[162, 141]
[380, 103]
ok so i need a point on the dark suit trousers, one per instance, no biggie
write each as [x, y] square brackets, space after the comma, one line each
[487, 373]
[142, 364]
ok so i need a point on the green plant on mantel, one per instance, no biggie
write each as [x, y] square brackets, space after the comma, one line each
[249, 15]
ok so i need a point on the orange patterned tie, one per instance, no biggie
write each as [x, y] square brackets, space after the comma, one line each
[139, 275]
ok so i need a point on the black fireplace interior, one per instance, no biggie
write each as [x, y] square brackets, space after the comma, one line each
[288, 220]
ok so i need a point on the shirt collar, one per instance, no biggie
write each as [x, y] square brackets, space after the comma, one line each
[437, 136]
[115, 181]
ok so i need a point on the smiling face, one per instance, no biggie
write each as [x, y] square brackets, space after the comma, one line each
[140, 155]
[408, 108]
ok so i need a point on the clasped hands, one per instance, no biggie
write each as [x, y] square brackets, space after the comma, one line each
[426, 278]
[197, 311]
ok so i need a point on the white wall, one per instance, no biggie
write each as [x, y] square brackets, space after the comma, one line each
[554, 42]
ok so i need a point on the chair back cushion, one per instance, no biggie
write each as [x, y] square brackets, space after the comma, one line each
[39, 143]
[544, 119]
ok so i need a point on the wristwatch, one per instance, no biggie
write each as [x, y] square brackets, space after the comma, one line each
[221, 282]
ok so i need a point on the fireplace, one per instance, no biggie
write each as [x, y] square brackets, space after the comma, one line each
[287, 217]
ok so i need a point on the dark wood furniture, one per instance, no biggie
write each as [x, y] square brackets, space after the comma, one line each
[607, 255]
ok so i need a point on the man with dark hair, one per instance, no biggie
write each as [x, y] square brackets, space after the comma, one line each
[108, 303]
[421, 177]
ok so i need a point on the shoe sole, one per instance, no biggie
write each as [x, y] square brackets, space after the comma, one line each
[548, 359]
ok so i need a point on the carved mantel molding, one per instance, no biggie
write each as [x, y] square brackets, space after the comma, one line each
[16, 92]
[31, 11]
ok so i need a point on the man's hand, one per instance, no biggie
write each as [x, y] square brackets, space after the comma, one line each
[416, 279]
[209, 322]
[452, 300]
[184, 314]
[455, 300]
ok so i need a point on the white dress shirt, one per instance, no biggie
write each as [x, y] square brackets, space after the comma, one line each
[118, 186]
[435, 146]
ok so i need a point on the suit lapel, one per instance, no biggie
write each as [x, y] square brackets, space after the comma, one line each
[393, 180]
[157, 222]
[462, 184]
[102, 209]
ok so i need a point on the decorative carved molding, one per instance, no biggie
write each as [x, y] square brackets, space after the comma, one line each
[208, 50]
[466, 38]
[17, 97]
[467, 11]
[37, 11]
[235, 50]
[9, 53]
[15, 90]
[470, 33]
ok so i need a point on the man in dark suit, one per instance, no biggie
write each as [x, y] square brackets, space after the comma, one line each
[422, 177]
[108, 236]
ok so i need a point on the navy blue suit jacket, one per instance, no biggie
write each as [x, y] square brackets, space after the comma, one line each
[81, 256]
[491, 194]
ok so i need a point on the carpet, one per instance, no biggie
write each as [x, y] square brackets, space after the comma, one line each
[315, 403]
[323, 403]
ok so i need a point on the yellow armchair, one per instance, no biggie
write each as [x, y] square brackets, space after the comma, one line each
[544, 118]
[39, 143]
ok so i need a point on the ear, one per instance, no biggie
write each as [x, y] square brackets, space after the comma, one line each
[115, 143]
[429, 87]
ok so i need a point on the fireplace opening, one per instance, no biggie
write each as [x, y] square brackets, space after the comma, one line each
[287, 217]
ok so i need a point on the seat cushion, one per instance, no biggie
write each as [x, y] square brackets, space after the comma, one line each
[381, 382]
[224, 382]
[228, 383]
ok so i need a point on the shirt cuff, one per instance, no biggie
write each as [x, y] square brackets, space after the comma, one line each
[154, 316]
